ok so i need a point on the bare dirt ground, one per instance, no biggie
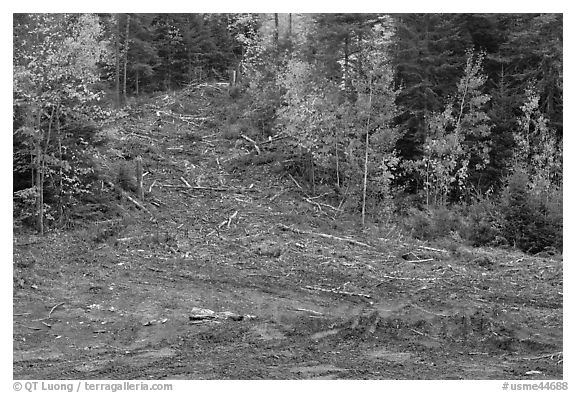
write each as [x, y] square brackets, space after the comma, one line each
[238, 277]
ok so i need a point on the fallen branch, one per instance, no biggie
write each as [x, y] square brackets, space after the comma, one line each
[202, 188]
[185, 182]
[295, 182]
[252, 142]
[310, 311]
[151, 185]
[407, 278]
[28, 327]
[313, 203]
[547, 356]
[285, 227]
[230, 218]
[195, 187]
[228, 221]
[322, 204]
[421, 260]
[338, 292]
[432, 249]
[54, 308]
[134, 201]
[417, 332]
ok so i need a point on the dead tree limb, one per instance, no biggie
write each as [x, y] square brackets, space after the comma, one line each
[252, 142]
[28, 327]
[202, 188]
[54, 308]
[432, 249]
[139, 174]
[134, 201]
[313, 203]
[421, 260]
[309, 200]
[295, 182]
[407, 278]
[185, 182]
[151, 185]
[549, 356]
[285, 227]
[310, 311]
[338, 292]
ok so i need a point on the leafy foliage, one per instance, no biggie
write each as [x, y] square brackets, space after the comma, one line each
[456, 141]
[537, 147]
[56, 65]
[448, 111]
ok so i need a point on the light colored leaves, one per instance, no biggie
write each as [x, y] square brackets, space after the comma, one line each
[456, 135]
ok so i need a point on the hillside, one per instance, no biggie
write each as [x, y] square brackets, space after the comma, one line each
[228, 270]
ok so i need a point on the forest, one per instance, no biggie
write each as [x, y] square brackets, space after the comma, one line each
[288, 196]
[450, 122]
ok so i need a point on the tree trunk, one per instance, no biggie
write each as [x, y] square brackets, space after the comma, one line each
[137, 82]
[39, 177]
[139, 178]
[42, 172]
[276, 30]
[289, 25]
[366, 158]
[427, 184]
[126, 55]
[60, 185]
[337, 159]
[40, 190]
[312, 174]
[117, 57]
[360, 70]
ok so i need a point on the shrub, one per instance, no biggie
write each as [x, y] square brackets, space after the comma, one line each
[484, 220]
[532, 219]
[433, 223]
[419, 224]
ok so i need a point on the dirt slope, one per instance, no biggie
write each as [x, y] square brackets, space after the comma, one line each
[296, 294]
